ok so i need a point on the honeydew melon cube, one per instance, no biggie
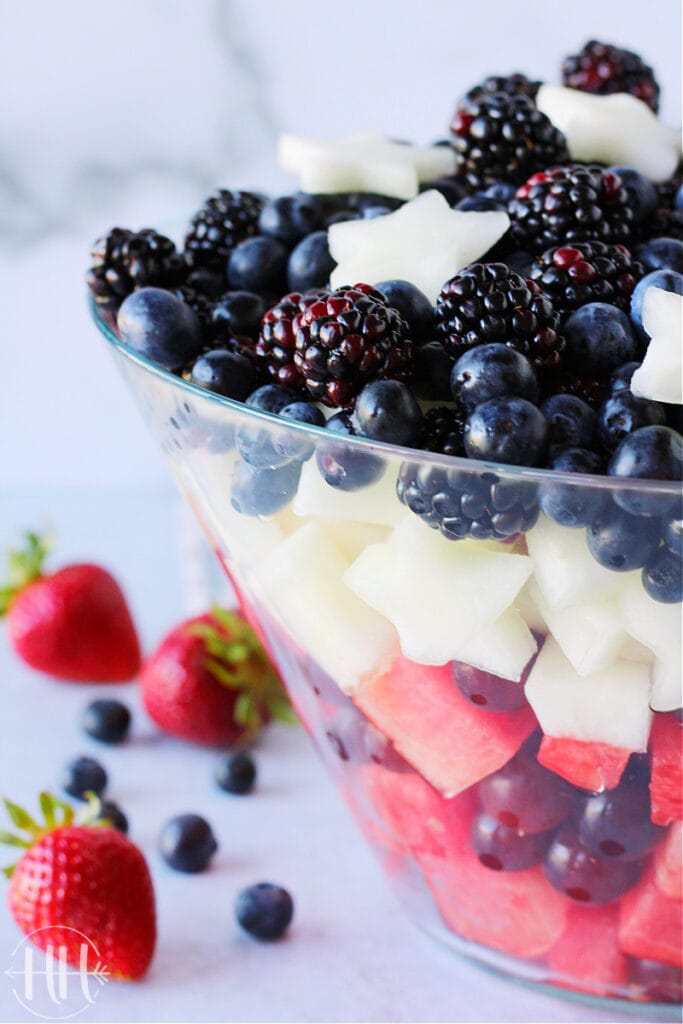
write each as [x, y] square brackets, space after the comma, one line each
[303, 581]
[659, 627]
[660, 375]
[375, 504]
[632, 650]
[609, 706]
[504, 648]
[528, 607]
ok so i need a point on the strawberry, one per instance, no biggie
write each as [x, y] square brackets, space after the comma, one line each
[86, 878]
[211, 682]
[72, 624]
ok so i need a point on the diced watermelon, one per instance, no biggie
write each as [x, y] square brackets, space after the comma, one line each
[450, 741]
[666, 785]
[587, 956]
[593, 766]
[650, 925]
[668, 863]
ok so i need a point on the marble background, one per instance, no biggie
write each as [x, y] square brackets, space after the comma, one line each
[130, 112]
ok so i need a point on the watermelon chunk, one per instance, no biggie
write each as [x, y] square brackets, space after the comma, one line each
[450, 741]
[668, 863]
[592, 766]
[666, 784]
[650, 925]
[587, 955]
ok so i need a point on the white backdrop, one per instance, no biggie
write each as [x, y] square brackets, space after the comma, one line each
[130, 113]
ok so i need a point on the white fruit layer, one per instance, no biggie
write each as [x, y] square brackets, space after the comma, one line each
[660, 375]
[659, 627]
[374, 504]
[617, 129]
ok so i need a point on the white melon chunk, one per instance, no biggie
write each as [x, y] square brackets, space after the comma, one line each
[660, 375]
[616, 129]
[438, 593]
[363, 163]
[351, 538]
[632, 650]
[609, 706]
[659, 627]
[504, 648]
[424, 242]
[527, 605]
[376, 503]
[302, 579]
[590, 635]
[566, 571]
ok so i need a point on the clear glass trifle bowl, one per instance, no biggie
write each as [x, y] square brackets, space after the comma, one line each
[502, 716]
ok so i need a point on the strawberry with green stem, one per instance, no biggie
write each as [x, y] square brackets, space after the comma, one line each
[85, 878]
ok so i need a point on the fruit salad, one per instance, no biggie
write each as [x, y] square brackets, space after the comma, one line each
[428, 409]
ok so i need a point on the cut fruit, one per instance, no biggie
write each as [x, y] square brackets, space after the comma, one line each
[374, 504]
[439, 595]
[450, 741]
[660, 375]
[668, 863]
[592, 766]
[504, 648]
[351, 538]
[666, 779]
[651, 926]
[588, 955]
[590, 635]
[363, 163]
[424, 242]
[659, 627]
[527, 606]
[565, 570]
[610, 706]
[302, 579]
[616, 129]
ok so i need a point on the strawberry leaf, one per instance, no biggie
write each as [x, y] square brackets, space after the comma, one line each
[23, 567]
[21, 818]
[9, 839]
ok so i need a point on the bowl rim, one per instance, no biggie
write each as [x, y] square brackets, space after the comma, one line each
[528, 474]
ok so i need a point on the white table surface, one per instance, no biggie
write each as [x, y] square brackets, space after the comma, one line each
[351, 954]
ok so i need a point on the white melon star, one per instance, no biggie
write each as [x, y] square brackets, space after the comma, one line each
[363, 163]
[616, 129]
[440, 594]
[424, 242]
[659, 627]
[660, 376]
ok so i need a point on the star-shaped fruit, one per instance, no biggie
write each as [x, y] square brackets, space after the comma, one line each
[363, 163]
[660, 376]
[617, 129]
[424, 242]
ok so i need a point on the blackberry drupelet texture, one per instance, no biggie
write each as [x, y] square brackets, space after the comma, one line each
[604, 69]
[512, 85]
[124, 260]
[226, 218]
[572, 276]
[277, 339]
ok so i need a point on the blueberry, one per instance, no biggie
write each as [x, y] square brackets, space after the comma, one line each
[237, 314]
[479, 203]
[672, 535]
[621, 378]
[345, 466]
[236, 773]
[187, 843]
[262, 492]
[650, 453]
[501, 191]
[224, 372]
[413, 305]
[492, 371]
[341, 216]
[667, 280]
[258, 265]
[599, 338]
[431, 372]
[84, 775]
[571, 424]
[641, 191]
[106, 720]
[370, 212]
[310, 263]
[387, 410]
[272, 398]
[290, 218]
[678, 198]
[293, 444]
[620, 541]
[257, 444]
[160, 326]
[112, 813]
[573, 504]
[264, 910]
[450, 187]
[663, 577]
[508, 430]
[662, 254]
[622, 413]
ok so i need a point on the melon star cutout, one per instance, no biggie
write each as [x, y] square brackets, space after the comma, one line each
[660, 375]
[424, 242]
[363, 163]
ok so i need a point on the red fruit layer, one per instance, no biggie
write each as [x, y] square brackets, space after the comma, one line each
[668, 863]
[588, 953]
[592, 766]
[650, 925]
[666, 785]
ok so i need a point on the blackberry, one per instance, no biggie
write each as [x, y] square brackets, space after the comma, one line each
[277, 339]
[200, 303]
[604, 69]
[442, 431]
[585, 272]
[124, 260]
[487, 302]
[591, 389]
[667, 220]
[462, 503]
[502, 137]
[512, 85]
[225, 219]
[574, 203]
[346, 338]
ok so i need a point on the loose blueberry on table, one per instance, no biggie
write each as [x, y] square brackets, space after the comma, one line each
[496, 614]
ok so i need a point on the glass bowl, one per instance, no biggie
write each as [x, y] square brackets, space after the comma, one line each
[498, 707]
